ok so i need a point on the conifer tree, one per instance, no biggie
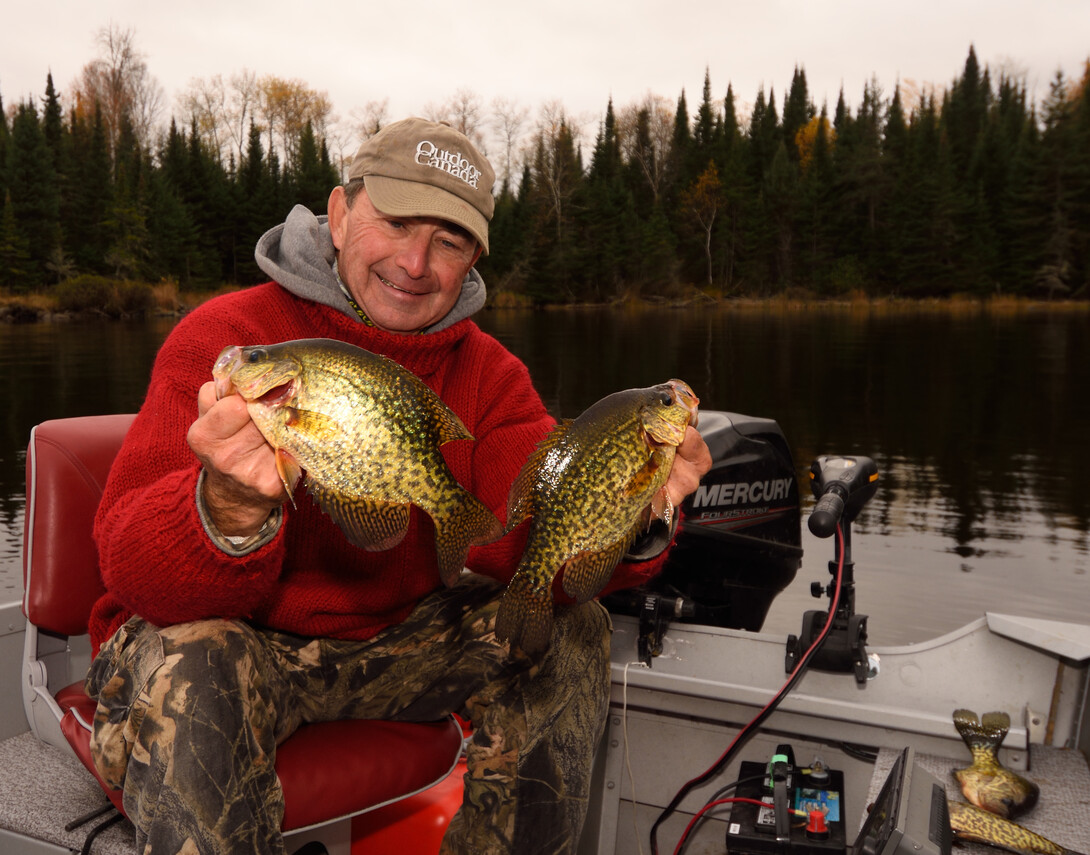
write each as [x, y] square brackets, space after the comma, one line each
[797, 110]
[32, 183]
[15, 266]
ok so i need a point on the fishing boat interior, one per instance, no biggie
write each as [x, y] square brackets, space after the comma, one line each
[721, 738]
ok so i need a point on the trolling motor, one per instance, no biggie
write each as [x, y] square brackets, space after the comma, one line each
[842, 486]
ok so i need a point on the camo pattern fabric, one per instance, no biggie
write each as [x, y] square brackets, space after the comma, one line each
[189, 717]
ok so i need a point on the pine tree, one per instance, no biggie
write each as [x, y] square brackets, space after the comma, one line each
[798, 110]
[738, 195]
[32, 184]
[15, 266]
[90, 194]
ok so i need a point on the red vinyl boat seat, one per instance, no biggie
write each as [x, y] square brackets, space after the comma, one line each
[329, 772]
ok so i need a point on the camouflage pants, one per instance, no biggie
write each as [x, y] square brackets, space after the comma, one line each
[189, 717]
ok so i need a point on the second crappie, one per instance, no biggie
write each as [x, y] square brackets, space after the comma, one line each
[987, 783]
[587, 490]
[367, 434]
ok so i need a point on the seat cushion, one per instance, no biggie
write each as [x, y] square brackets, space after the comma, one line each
[327, 770]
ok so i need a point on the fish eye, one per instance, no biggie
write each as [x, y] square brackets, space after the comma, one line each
[256, 355]
[667, 399]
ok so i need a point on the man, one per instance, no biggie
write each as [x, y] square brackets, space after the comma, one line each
[231, 617]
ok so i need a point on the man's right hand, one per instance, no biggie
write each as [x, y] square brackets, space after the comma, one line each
[241, 484]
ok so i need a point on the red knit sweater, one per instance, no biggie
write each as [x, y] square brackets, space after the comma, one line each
[156, 559]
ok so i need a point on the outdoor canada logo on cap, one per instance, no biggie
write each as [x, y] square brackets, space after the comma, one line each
[417, 168]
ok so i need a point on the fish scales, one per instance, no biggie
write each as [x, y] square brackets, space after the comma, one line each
[367, 433]
[972, 824]
[586, 489]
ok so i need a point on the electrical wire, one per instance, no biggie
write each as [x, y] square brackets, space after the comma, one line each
[769, 708]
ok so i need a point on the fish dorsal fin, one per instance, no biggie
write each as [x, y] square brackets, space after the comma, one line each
[659, 430]
[369, 524]
[588, 572]
[520, 500]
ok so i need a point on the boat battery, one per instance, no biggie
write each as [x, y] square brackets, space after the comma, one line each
[813, 823]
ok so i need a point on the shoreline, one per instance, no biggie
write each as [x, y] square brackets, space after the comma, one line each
[45, 308]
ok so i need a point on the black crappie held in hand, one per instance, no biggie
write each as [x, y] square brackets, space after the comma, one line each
[987, 783]
[973, 825]
[367, 433]
[587, 489]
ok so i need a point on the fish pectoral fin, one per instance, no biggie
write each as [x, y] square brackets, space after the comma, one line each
[660, 430]
[644, 479]
[367, 523]
[588, 572]
[321, 427]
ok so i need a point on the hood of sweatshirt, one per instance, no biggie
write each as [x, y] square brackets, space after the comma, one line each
[299, 255]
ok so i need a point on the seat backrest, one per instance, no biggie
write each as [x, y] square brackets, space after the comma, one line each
[66, 467]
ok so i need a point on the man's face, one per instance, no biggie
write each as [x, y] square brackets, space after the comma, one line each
[404, 272]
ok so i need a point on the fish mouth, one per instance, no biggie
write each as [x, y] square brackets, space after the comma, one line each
[271, 384]
[277, 396]
[685, 397]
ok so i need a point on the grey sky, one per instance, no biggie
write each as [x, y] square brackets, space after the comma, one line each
[576, 53]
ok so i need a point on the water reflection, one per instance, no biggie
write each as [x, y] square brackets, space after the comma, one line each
[977, 422]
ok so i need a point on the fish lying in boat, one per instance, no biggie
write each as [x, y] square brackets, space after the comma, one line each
[987, 783]
[974, 825]
[587, 489]
[367, 433]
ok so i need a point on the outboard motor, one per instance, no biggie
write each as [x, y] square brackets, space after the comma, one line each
[739, 542]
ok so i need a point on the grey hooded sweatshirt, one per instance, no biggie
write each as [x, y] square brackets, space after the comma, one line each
[300, 256]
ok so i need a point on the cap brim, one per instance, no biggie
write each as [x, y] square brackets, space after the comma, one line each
[400, 198]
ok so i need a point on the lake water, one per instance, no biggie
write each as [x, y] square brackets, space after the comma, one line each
[978, 421]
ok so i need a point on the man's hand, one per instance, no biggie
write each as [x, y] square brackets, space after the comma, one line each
[241, 484]
[691, 462]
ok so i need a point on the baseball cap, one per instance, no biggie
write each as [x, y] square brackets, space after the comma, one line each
[417, 168]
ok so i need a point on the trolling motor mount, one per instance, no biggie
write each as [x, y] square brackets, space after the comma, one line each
[842, 485]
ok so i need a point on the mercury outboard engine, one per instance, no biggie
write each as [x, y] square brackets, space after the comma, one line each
[739, 542]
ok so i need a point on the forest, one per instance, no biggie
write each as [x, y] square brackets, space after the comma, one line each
[969, 190]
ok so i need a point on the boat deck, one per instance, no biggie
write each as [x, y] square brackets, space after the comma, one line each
[42, 789]
[1060, 815]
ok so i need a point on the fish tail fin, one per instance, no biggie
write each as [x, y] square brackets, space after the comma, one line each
[982, 735]
[468, 524]
[525, 615]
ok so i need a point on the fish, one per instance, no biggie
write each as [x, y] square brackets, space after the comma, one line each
[972, 824]
[366, 433]
[587, 489]
[987, 783]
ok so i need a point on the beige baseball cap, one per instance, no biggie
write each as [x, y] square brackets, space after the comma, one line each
[417, 168]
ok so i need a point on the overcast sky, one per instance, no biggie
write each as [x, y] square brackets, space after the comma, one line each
[576, 52]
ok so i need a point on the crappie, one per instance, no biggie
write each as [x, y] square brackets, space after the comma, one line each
[367, 433]
[973, 825]
[586, 489]
[987, 783]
